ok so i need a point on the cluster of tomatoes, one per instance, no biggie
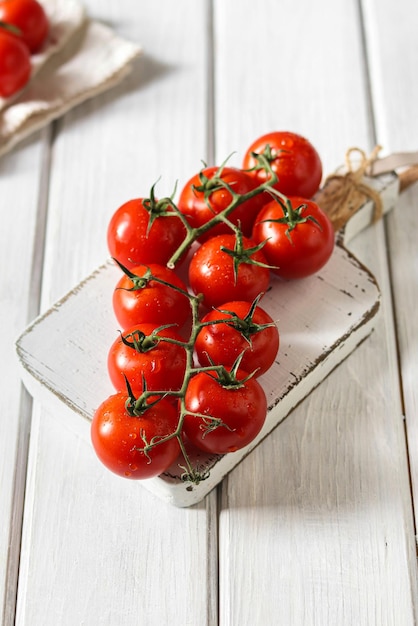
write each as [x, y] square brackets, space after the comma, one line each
[24, 28]
[194, 339]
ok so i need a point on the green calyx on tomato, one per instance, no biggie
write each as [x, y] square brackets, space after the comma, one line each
[292, 216]
[136, 407]
[164, 207]
[267, 155]
[137, 282]
[246, 326]
[210, 184]
[141, 282]
[140, 342]
[241, 254]
[228, 377]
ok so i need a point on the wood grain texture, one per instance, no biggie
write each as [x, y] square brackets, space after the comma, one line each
[393, 70]
[21, 209]
[319, 493]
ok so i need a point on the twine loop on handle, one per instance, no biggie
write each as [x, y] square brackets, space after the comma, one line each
[342, 193]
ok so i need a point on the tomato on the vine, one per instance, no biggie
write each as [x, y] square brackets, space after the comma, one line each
[223, 417]
[205, 196]
[15, 64]
[119, 437]
[228, 267]
[292, 157]
[30, 18]
[139, 298]
[248, 329]
[298, 235]
[144, 230]
[143, 355]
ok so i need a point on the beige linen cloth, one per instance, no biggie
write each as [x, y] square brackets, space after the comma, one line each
[81, 59]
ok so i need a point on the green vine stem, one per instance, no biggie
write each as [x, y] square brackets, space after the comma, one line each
[226, 377]
[192, 234]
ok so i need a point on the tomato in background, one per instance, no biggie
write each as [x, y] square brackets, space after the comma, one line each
[135, 235]
[247, 328]
[241, 411]
[118, 437]
[298, 242]
[214, 274]
[148, 301]
[30, 18]
[203, 197]
[15, 64]
[292, 157]
[139, 355]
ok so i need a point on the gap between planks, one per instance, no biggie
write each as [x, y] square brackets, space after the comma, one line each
[26, 402]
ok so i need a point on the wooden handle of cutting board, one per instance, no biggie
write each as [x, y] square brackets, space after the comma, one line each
[408, 177]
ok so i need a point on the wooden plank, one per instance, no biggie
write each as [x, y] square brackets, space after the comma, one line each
[93, 549]
[393, 71]
[318, 517]
[22, 219]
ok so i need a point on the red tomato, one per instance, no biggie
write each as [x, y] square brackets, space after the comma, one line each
[248, 328]
[300, 238]
[15, 65]
[118, 437]
[292, 157]
[137, 235]
[203, 197]
[241, 411]
[140, 356]
[30, 18]
[221, 275]
[148, 301]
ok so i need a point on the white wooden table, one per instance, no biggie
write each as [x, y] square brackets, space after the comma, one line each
[317, 524]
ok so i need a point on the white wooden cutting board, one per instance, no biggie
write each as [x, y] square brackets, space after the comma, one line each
[321, 319]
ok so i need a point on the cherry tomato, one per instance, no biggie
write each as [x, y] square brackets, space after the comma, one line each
[292, 157]
[144, 300]
[247, 329]
[227, 268]
[203, 197]
[140, 355]
[240, 412]
[15, 64]
[118, 438]
[30, 18]
[299, 238]
[144, 231]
